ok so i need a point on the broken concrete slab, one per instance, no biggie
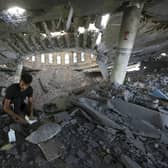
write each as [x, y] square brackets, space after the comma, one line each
[43, 133]
[86, 104]
[86, 116]
[164, 115]
[62, 116]
[139, 145]
[58, 104]
[145, 129]
[50, 108]
[164, 138]
[136, 142]
[52, 149]
[118, 165]
[128, 162]
[138, 112]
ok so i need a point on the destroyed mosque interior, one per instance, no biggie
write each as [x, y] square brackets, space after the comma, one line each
[100, 83]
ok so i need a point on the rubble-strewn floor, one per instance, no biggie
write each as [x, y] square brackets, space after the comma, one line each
[107, 127]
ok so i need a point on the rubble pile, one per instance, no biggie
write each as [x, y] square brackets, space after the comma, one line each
[52, 83]
[106, 126]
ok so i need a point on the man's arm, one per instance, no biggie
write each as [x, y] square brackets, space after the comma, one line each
[30, 106]
[7, 109]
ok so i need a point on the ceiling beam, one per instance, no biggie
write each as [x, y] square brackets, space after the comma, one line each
[76, 40]
[67, 40]
[19, 43]
[62, 41]
[71, 40]
[35, 44]
[58, 26]
[42, 43]
[24, 39]
[3, 56]
[53, 25]
[69, 20]
[12, 45]
[47, 31]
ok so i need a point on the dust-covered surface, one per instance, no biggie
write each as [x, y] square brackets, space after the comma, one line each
[106, 126]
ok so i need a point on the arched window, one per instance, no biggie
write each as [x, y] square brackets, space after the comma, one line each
[82, 56]
[75, 60]
[67, 59]
[58, 59]
[33, 58]
[42, 58]
[50, 59]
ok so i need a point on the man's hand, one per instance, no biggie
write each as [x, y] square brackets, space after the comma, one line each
[7, 109]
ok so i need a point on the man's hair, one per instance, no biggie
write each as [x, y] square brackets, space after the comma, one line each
[27, 78]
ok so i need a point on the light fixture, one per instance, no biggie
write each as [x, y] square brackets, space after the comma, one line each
[163, 54]
[55, 34]
[43, 34]
[81, 30]
[104, 20]
[16, 11]
[135, 67]
[14, 15]
[92, 27]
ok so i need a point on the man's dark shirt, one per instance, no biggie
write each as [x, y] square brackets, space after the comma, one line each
[13, 93]
[17, 98]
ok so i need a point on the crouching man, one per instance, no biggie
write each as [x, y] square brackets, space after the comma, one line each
[14, 101]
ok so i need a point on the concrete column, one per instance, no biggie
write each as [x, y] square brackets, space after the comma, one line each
[71, 58]
[127, 36]
[38, 61]
[54, 59]
[62, 58]
[79, 57]
[18, 72]
[88, 58]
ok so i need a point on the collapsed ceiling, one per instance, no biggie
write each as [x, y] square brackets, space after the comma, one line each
[47, 26]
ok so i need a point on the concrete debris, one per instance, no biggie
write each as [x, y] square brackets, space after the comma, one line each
[138, 112]
[128, 162]
[145, 130]
[52, 149]
[84, 103]
[43, 133]
[164, 138]
[58, 104]
[107, 126]
[62, 116]
[53, 83]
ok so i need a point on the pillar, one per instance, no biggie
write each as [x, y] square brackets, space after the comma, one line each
[129, 27]
[18, 72]
[70, 58]
[62, 58]
[78, 57]
[37, 63]
[54, 59]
